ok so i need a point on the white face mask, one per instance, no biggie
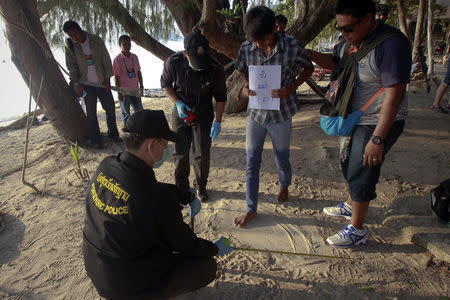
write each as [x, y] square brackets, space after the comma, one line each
[158, 163]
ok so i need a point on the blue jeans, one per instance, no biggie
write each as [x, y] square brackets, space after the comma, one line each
[280, 133]
[362, 180]
[125, 106]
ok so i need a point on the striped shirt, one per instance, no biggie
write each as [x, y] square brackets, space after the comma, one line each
[288, 53]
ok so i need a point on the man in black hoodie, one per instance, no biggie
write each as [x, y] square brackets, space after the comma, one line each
[135, 243]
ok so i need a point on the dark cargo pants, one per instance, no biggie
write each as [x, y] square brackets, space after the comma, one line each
[196, 135]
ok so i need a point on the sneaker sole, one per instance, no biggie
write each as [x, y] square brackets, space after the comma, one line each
[362, 241]
[337, 215]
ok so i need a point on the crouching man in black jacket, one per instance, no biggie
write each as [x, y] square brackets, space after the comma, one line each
[135, 243]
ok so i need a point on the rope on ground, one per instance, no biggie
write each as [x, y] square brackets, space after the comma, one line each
[292, 253]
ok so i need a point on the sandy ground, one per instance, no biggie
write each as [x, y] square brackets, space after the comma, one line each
[40, 248]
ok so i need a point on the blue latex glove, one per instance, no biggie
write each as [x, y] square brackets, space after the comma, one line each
[195, 206]
[179, 107]
[224, 246]
[215, 130]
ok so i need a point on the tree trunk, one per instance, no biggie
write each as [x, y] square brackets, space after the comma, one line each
[296, 9]
[430, 39]
[186, 13]
[236, 102]
[410, 27]
[137, 33]
[419, 29]
[402, 18]
[218, 39]
[315, 15]
[32, 56]
[45, 6]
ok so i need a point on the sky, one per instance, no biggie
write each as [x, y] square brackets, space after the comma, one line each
[14, 95]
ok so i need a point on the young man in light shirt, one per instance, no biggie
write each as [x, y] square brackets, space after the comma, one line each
[127, 74]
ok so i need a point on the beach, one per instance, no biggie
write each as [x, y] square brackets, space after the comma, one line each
[406, 256]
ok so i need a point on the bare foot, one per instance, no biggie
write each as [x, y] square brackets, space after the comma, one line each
[283, 195]
[244, 219]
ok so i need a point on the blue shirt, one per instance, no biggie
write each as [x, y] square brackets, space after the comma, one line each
[386, 65]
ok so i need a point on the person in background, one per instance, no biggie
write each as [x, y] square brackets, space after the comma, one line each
[281, 23]
[385, 69]
[128, 75]
[441, 91]
[267, 46]
[90, 68]
[382, 12]
[135, 242]
[191, 78]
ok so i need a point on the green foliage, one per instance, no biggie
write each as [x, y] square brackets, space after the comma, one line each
[81, 172]
[75, 153]
[230, 13]
[152, 15]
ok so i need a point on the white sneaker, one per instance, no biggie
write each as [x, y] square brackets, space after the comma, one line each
[348, 237]
[340, 210]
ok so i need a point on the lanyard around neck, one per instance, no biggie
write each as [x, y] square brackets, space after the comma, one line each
[132, 62]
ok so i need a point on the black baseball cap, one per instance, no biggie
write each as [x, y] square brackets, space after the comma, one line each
[197, 48]
[382, 9]
[150, 124]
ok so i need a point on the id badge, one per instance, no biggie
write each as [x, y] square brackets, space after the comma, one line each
[131, 74]
[90, 60]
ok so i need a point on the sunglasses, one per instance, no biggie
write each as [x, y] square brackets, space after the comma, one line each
[348, 28]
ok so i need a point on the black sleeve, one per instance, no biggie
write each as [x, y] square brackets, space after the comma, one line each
[167, 76]
[177, 234]
[220, 87]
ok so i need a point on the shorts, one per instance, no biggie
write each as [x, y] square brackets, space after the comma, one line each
[447, 75]
[362, 180]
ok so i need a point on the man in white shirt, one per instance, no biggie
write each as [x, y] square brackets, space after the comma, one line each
[90, 70]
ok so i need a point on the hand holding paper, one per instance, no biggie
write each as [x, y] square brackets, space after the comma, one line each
[262, 80]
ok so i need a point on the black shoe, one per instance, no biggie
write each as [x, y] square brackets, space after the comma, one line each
[90, 144]
[202, 194]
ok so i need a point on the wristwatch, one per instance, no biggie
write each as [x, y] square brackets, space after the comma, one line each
[377, 140]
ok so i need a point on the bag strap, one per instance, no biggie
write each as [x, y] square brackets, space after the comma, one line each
[381, 37]
[363, 51]
[372, 99]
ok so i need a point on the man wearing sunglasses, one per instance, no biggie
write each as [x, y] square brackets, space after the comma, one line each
[387, 66]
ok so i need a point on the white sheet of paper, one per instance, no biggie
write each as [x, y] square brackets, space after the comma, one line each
[262, 80]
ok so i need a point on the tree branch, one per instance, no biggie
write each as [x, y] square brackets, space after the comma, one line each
[45, 6]
[304, 8]
[186, 13]
[402, 18]
[319, 15]
[137, 33]
[218, 39]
